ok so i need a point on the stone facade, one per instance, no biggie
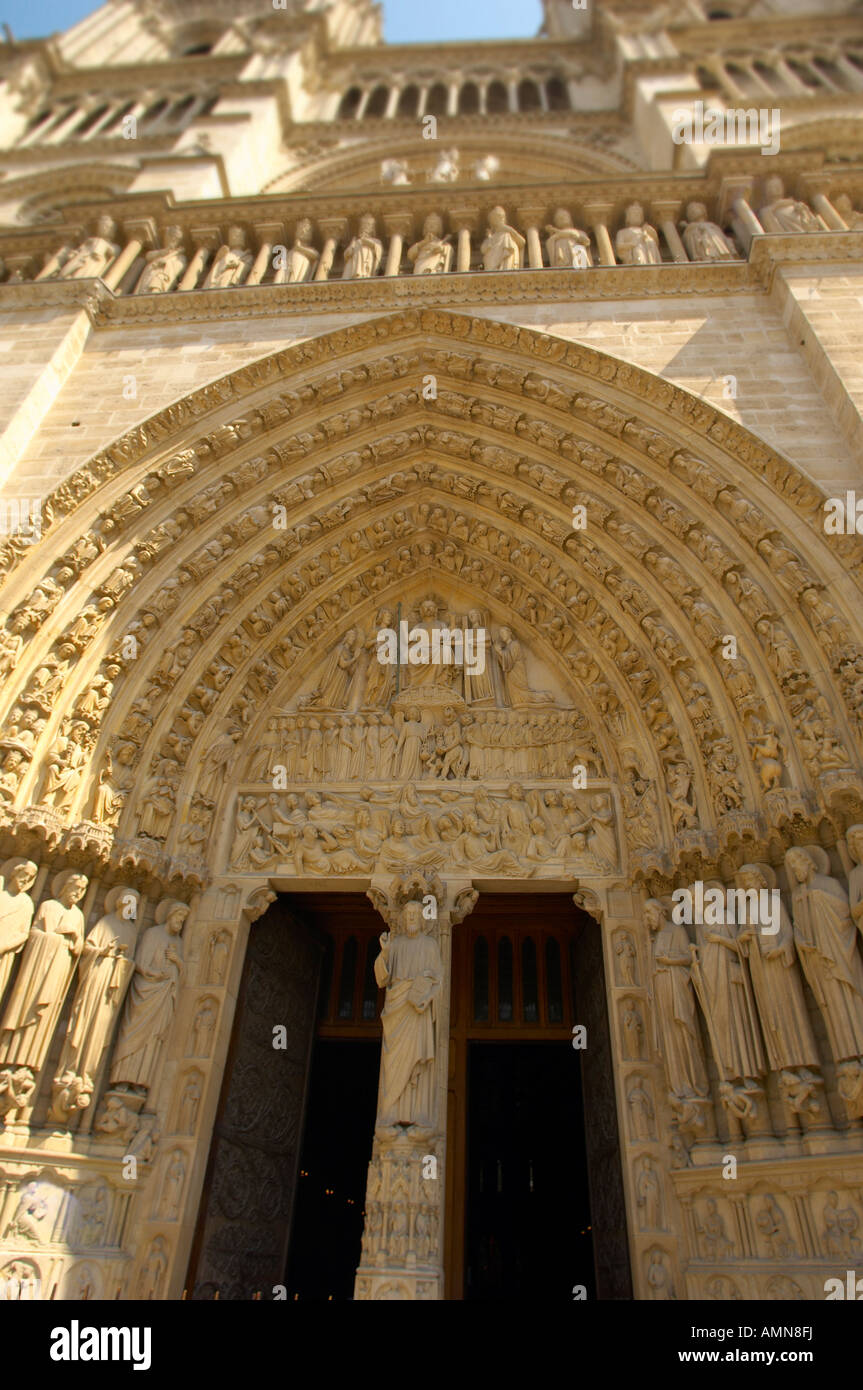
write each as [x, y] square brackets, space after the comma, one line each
[304, 335]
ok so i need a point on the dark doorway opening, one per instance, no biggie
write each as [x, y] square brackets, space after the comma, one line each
[528, 1229]
[328, 1216]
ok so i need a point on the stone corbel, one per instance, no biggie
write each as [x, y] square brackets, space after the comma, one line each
[258, 901]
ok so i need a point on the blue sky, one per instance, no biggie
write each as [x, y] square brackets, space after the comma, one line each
[407, 21]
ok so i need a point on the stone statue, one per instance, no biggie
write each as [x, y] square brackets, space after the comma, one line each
[503, 247]
[567, 245]
[776, 981]
[164, 266]
[232, 262]
[705, 241]
[845, 208]
[432, 255]
[47, 966]
[854, 841]
[152, 998]
[648, 1193]
[16, 913]
[722, 984]
[637, 243]
[301, 259]
[104, 972]
[363, 253]
[446, 169]
[781, 214]
[410, 968]
[153, 1271]
[826, 940]
[395, 171]
[674, 1004]
[513, 668]
[91, 259]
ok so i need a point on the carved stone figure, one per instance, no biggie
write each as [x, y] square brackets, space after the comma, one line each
[513, 668]
[704, 241]
[152, 998]
[782, 214]
[446, 168]
[659, 1281]
[363, 253]
[91, 259]
[567, 245]
[47, 966]
[104, 972]
[503, 246]
[840, 1225]
[164, 266]
[674, 1006]
[776, 980]
[826, 940]
[16, 913]
[772, 1224]
[648, 1195]
[301, 259]
[433, 254]
[152, 1274]
[637, 243]
[722, 983]
[410, 968]
[231, 263]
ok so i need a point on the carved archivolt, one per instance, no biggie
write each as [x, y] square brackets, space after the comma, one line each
[204, 570]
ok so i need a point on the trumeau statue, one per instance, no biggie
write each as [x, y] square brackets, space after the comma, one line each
[91, 259]
[152, 998]
[826, 939]
[782, 214]
[164, 266]
[637, 243]
[410, 968]
[363, 253]
[432, 255]
[16, 913]
[567, 245]
[104, 973]
[231, 263]
[47, 966]
[674, 1004]
[301, 259]
[503, 246]
[705, 241]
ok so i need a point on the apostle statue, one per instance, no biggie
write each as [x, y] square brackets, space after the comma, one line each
[826, 940]
[854, 841]
[91, 259]
[432, 255]
[16, 913]
[47, 966]
[152, 998]
[104, 972]
[722, 984]
[164, 266]
[776, 980]
[674, 1005]
[231, 263]
[410, 968]
[503, 247]
[781, 214]
[363, 253]
[567, 245]
[704, 241]
[637, 243]
[301, 259]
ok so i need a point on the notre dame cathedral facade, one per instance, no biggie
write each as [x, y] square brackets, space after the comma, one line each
[553, 343]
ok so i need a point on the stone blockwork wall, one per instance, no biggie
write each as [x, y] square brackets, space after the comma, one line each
[787, 367]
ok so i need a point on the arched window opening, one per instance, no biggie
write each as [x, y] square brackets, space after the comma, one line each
[349, 104]
[557, 94]
[436, 102]
[496, 98]
[377, 102]
[528, 95]
[804, 72]
[118, 117]
[153, 112]
[468, 99]
[409, 100]
[182, 108]
[768, 76]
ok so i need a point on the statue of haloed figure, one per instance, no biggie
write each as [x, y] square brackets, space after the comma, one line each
[411, 969]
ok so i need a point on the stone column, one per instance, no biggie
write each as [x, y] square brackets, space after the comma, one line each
[333, 230]
[597, 215]
[205, 239]
[666, 213]
[271, 234]
[530, 218]
[141, 234]
[403, 1240]
[465, 221]
[822, 204]
[734, 199]
[398, 225]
